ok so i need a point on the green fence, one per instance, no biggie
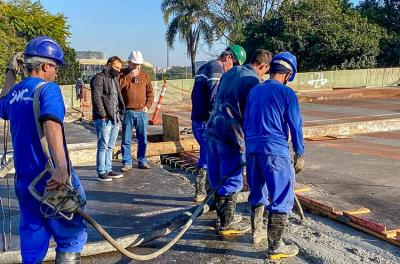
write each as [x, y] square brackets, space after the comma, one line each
[328, 80]
[178, 91]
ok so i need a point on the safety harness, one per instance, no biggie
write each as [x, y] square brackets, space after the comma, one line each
[65, 200]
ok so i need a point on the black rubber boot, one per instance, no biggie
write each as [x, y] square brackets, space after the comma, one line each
[201, 186]
[68, 258]
[258, 230]
[226, 207]
[277, 248]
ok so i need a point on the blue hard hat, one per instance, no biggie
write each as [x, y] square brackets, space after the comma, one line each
[288, 60]
[45, 47]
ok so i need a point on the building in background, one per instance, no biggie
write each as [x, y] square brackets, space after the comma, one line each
[94, 55]
[92, 62]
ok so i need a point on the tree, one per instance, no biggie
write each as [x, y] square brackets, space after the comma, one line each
[26, 20]
[229, 17]
[149, 71]
[325, 35]
[187, 20]
[385, 13]
[9, 42]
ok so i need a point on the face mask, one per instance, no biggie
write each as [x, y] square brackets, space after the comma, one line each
[113, 72]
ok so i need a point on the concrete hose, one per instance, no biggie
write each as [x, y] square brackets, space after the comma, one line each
[199, 210]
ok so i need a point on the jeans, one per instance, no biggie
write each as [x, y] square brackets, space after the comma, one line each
[138, 121]
[198, 128]
[222, 159]
[271, 181]
[107, 134]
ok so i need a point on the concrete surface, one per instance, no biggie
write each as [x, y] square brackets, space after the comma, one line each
[342, 172]
[361, 171]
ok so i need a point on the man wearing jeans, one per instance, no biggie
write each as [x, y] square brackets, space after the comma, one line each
[137, 93]
[108, 109]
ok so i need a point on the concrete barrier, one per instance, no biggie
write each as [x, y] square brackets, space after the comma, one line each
[350, 79]
[315, 81]
[180, 90]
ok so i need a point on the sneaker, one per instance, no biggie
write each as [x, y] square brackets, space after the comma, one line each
[144, 166]
[103, 177]
[126, 168]
[115, 175]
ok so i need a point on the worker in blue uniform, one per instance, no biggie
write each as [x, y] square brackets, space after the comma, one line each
[206, 82]
[225, 140]
[42, 58]
[272, 111]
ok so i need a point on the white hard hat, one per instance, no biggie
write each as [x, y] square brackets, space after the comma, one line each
[136, 57]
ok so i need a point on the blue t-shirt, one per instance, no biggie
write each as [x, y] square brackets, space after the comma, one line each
[272, 110]
[17, 107]
[205, 86]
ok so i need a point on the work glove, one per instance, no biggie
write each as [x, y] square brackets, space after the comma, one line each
[298, 163]
[16, 63]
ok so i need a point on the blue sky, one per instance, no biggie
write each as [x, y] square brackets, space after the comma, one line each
[119, 26]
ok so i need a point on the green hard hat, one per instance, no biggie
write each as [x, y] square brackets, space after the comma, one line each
[239, 53]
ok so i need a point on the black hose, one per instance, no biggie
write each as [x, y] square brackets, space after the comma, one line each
[198, 210]
[184, 220]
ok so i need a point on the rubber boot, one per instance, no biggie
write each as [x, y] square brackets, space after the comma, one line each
[226, 207]
[201, 186]
[258, 230]
[277, 248]
[68, 258]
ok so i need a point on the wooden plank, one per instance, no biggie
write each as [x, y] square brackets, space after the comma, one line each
[302, 189]
[170, 125]
[391, 233]
[358, 211]
[375, 227]
[315, 203]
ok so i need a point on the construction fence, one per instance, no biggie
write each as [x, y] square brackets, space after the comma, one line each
[177, 97]
[178, 94]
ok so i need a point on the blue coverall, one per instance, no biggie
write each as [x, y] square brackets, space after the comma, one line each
[225, 140]
[29, 162]
[205, 86]
[272, 110]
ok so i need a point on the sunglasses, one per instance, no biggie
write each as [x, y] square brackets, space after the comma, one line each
[56, 68]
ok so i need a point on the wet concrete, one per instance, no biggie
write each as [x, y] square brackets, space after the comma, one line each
[362, 170]
[329, 112]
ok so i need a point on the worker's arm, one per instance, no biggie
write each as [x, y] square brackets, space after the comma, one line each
[295, 123]
[53, 133]
[125, 78]
[52, 112]
[296, 131]
[14, 68]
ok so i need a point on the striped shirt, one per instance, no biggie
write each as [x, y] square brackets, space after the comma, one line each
[206, 82]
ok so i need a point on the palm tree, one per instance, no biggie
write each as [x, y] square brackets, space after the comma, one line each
[187, 19]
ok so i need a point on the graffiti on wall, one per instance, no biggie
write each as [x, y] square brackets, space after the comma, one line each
[315, 80]
[383, 77]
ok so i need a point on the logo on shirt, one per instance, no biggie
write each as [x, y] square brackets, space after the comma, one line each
[19, 95]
